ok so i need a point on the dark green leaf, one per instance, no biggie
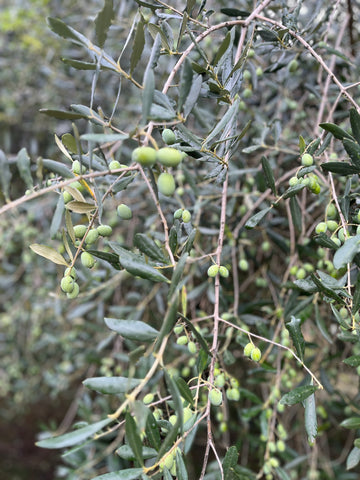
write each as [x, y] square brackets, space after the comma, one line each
[223, 47]
[177, 274]
[181, 471]
[170, 317]
[296, 215]
[310, 418]
[353, 458]
[268, 35]
[202, 361]
[346, 253]
[138, 46]
[88, 113]
[79, 65]
[148, 94]
[356, 296]
[353, 150]
[156, 30]
[352, 422]
[329, 292]
[255, 219]
[63, 30]
[299, 394]
[5, 176]
[126, 453]
[103, 22]
[321, 324]
[124, 474]
[173, 239]
[355, 124]
[294, 327]
[325, 241]
[132, 329]
[75, 437]
[353, 361]
[336, 131]
[229, 116]
[23, 165]
[61, 114]
[152, 432]
[185, 83]
[193, 95]
[147, 246]
[269, 177]
[291, 191]
[234, 12]
[111, 258]
[229, 462]
[184, 390]
[111, 385]
[143, 270]
[133, 437]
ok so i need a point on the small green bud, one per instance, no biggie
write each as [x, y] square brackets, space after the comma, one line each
[78, 168]
[71, 271]
[169, 157]
[293, 65]
[220, 380]
[301, 273]
[247, 93]
[293, 181]
[233, 394]
[332, 225]
[166, 184]
[331, 211]
[67, 197]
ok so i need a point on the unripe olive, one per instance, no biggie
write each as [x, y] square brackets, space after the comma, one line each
[178, 329]
[124, 212]
[220, 380]
[149, 398]
[307, 160]
[186, 216]
[247, 93]
[67, 197]
[75, 291]
[67, 284]
[259, 72]
[293, 181]
[301, 273]
[280, 446]
[249, 347]
[244, 265]
[213, 270]
[168, 136]
[293, 65]
[168, 156]
[247, 75]
[233, 394]
[104, 230]
[331, 211]
[77, 185]
[251, 53]
[341, 235]
[321, 227]
[183, 340]
[71, 271]
[146, 156]
[172, 419]
[79, 230]
[178, 213]
[114, 165]
[336, 240]
[332, 225]
[256, 354]
[87, 260]
[166, 184]
[266, 246]
[187, 414]
[78, 168]
[224, 272]
[215, 397]
[92, 236]
[192, 347]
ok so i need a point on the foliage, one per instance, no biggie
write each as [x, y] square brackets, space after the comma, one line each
[207, 301]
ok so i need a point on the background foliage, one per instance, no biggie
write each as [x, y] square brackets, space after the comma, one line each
[248, 90]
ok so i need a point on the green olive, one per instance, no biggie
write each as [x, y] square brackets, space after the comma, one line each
[166, 184]
[79, 230]
[124, 212]
[75, 291]
[92, 236]
[87, 259]
[146, 156]
[256, 354]
[307, 160]
[224, 272]
[168, 136]
[249, 347]
[104, 230]
[186, 216]
[170, 157]
[213, 270]
[67, 284]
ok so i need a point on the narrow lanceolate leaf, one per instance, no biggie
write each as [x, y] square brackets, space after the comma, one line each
[126, 453]
[177, 274]
[124, 474]
[73, 438]
[56, 167]
[229, 462]
[23, 165]
[353, 361]
[292, 191]
[268, 173]
[148, 94]
[170, 318]
[111, 385]
[80, 207]
[352, 422]
[328, 292]
[184, 390]
[353, 458]
[296, 215]
[57, 218]
[224, 122]
[133, 437]
[181, 471]
[140, 269]
[63, 30]
[104, 137]
[356, 296]
[185, 83]
[5, 176]
[138, 46]
[353, 150]
[193, 95]
[88, 113]
[132, 329]
[152, 432]
[294, 327]
[341, 168]
[299, 394]
[103, 22]
[223, 47]
[310, 418]
[336, 131]
[61, 114]
[346, 253]
[79, 65]
[49, 253]
[355, 124]
[255, 219]
[147, 246]
[109, 257]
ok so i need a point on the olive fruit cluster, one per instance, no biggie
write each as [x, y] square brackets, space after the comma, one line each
[311, 182]
[213, 270]
[68, 284]
[183, 214]
[253, 352]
